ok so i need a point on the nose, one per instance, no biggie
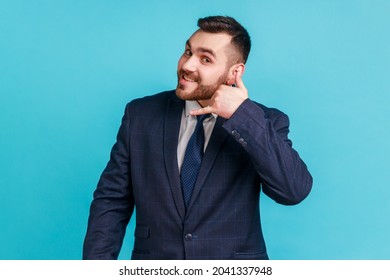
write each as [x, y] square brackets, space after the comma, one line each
[189, 64]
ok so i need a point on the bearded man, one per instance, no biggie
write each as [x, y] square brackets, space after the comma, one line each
[193, 161]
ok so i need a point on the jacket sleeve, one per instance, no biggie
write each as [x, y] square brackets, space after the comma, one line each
[263, 133]
[113, 202]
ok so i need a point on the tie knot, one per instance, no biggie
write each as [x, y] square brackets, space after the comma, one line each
[201, 118]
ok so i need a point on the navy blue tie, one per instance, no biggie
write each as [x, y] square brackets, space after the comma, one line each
[192, 159]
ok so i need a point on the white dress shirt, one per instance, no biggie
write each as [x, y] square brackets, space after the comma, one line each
[187, 127]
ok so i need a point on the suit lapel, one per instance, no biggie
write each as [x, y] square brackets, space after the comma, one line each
[218, 137]
[171, 134]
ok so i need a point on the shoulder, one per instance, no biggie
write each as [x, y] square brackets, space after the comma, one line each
[151, 103]
[270, 113]
[276, 117]
[155, 99]
[263, 112]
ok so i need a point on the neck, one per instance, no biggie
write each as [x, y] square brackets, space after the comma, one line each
[204, 103]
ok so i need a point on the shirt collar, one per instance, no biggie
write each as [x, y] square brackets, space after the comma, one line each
[193, 105]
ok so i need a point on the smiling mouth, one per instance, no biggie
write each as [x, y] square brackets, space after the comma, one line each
[187, 78]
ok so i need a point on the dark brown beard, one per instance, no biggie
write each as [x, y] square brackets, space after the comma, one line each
[202, 92]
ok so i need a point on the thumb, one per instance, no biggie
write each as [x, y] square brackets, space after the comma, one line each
[239, 82]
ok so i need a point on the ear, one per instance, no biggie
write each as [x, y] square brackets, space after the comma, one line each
[231, 79]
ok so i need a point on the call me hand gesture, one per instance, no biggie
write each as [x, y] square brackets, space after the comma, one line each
[226, 99]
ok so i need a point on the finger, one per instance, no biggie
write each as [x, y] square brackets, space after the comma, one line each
[239, 82]
[202, 111]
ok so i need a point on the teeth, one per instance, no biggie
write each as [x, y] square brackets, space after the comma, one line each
[187, 79]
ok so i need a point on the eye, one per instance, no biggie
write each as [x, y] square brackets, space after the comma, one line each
[206, 60]
[187, 52]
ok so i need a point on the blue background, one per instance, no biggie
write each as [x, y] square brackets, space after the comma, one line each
[67, 69]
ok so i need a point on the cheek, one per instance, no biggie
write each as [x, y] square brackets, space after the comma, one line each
[210, 77]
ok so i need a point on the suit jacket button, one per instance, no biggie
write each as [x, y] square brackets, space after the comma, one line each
[188, 237]
[236, 134]
[242, 142]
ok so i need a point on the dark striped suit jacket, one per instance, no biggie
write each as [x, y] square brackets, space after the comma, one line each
[247, 153]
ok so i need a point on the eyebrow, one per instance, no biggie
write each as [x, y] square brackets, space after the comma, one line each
[203, 50]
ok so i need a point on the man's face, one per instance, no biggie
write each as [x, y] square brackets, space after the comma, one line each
[203, 67]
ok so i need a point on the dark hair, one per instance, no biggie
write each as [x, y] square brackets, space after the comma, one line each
[225, 24]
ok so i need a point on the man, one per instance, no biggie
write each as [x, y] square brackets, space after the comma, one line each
[183, 210]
